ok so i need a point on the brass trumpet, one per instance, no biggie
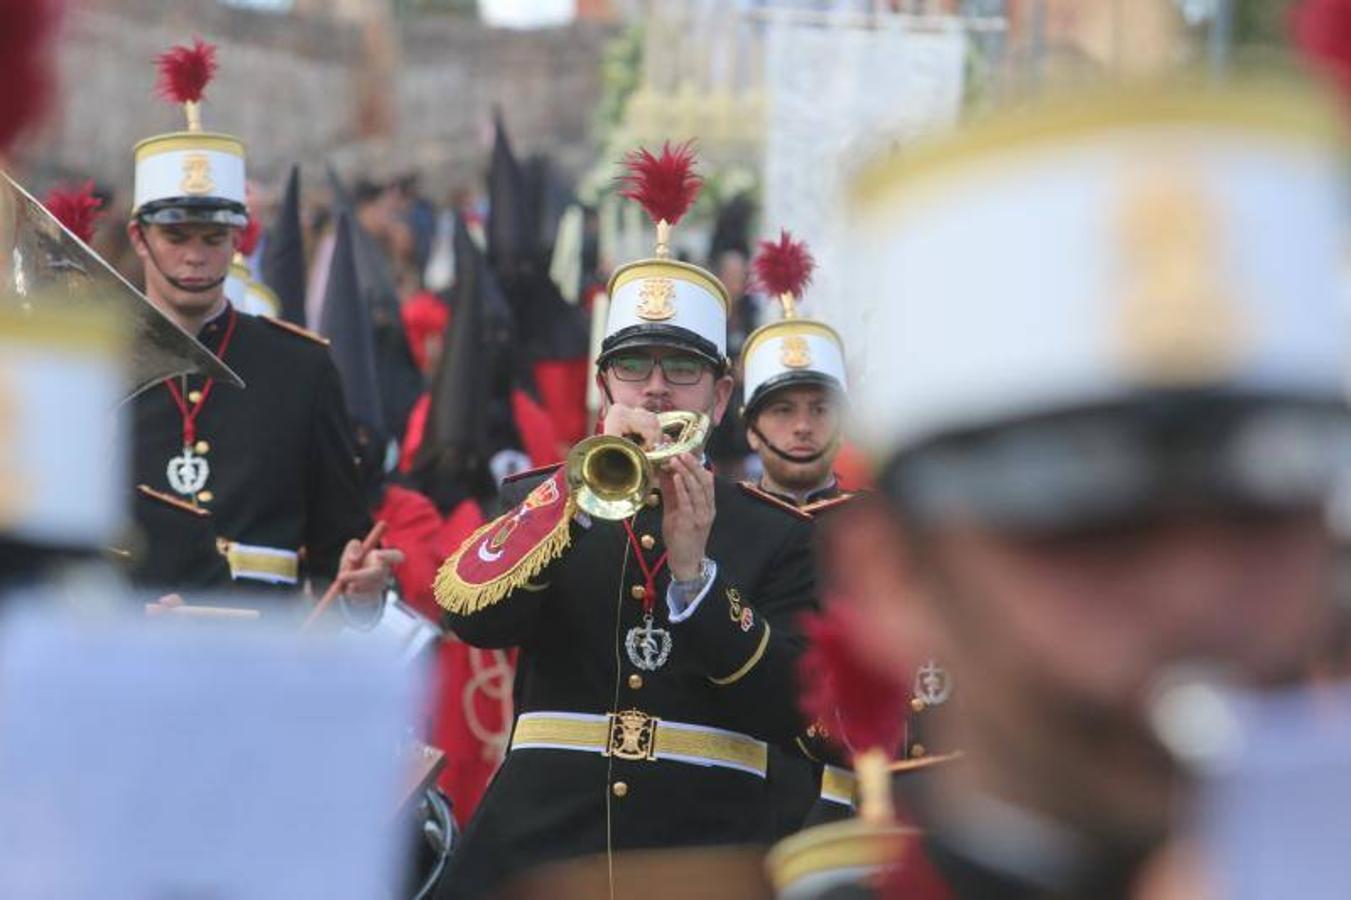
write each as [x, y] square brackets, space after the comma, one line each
[609, 476]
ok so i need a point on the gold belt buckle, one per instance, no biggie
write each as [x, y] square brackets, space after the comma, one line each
[633, 735]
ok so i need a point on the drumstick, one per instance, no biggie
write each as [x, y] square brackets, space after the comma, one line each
[367, 545]
[201, 612]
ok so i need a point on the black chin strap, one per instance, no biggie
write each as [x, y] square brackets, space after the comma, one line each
[802, 460]
[191, 289]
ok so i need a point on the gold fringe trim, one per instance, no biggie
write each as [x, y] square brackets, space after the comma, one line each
[455, 595]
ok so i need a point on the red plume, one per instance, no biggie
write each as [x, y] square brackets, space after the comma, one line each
[665, 185]
[26, 62]
[184, 72]
[247, 240]
[1322, 31]
[76, 208]
[860, 707]
[784, 267]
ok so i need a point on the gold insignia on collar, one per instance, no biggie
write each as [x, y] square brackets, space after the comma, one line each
[656, 299]
[196, 174]
[794, 352]
[1178, 322]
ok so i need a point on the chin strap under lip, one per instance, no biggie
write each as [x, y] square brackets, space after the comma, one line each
[191, 289]
[830, 447]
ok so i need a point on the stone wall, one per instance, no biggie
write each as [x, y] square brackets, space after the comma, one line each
[289, 86]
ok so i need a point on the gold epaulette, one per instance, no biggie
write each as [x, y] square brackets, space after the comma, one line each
[526, 473]
[295, 329]
[820, 506]
[758, 494]
[147, 491]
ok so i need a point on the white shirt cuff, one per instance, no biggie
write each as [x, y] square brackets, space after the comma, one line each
[678, 610]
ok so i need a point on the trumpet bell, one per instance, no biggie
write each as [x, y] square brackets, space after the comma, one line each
[610, 476]
[43, 263]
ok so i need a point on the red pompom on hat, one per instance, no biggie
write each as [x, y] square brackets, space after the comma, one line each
[185, 71]
[665, 185]
[784, 268]
[860, 708]
[1321, 29]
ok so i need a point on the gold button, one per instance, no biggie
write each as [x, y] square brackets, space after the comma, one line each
[638, 592]
[917, 751]
[194, 396]
[652, 499]
[619, 789]
[205, 497]
[635, 681]
[648, 541]
[202, 448]
[917, 705]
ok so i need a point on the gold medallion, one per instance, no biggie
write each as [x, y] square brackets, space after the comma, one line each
[196, 174]
[656, 299]
[794, 352]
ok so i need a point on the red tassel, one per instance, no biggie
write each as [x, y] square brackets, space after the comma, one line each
[76, 208]
[784, 267]
[247, 241]
[666, 185]
[184, 72]
[860, 707]
[26, 63]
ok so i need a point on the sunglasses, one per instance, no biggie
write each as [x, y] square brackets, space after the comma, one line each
[679, 369]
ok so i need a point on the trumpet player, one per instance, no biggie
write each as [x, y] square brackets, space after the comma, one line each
[657, 650]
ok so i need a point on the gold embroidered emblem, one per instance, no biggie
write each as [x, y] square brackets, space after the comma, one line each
[633, 735]
[1178, 323]
[543, 495]
[734, 604]
[656, 299]
[795, 353]
[499, 538]
[196, 174]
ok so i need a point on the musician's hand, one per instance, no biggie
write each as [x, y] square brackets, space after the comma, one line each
[163, 605]
[629, 421]
[364, 577]
[687, 514]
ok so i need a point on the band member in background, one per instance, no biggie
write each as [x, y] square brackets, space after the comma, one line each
[272, 464]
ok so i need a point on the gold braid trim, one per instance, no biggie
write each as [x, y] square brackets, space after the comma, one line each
[455, 595]
[749, 664]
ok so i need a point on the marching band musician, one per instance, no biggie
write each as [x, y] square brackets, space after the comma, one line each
[656, 652]
[796, 393]
[1119, 485]
[272, 464]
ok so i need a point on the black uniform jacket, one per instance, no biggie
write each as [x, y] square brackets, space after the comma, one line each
[795, 775]
[727, 668]
[185, 545]
[283, 465]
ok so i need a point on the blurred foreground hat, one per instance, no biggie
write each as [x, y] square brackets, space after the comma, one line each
[792, 350]
[1109, 304]
[192, 175]
[659, 300]
[62, 375]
